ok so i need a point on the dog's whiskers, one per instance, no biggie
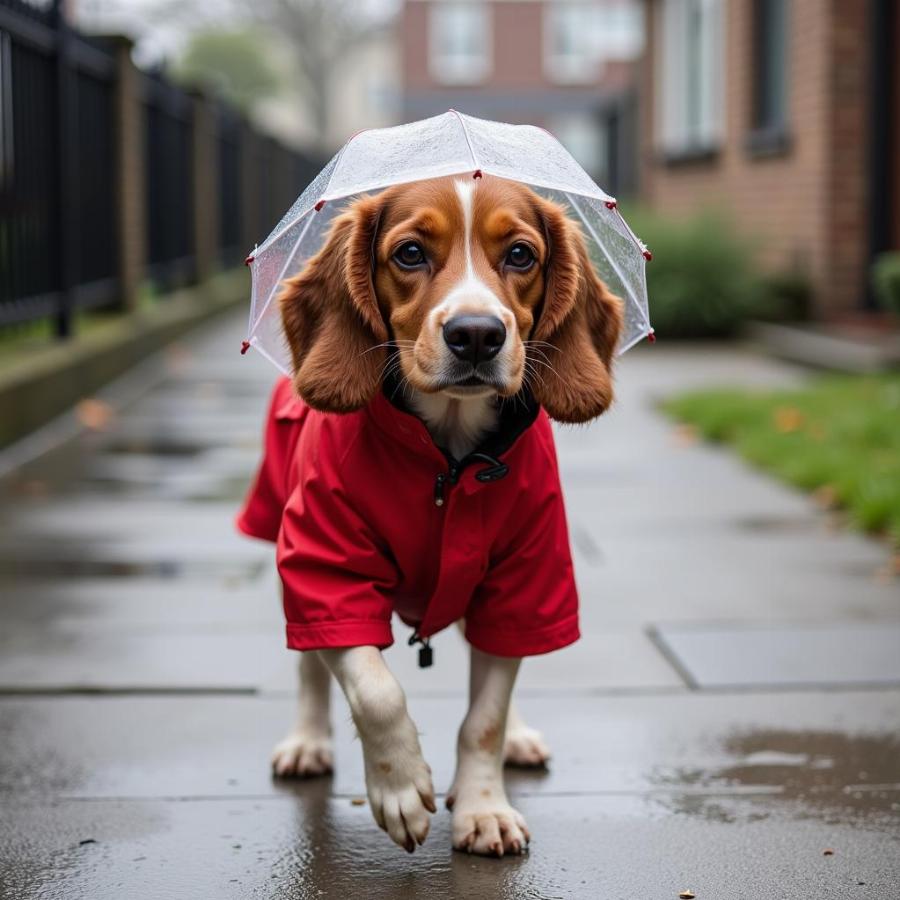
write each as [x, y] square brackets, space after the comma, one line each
[403, 343]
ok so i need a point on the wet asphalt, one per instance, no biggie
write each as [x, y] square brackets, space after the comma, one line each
[728, 725]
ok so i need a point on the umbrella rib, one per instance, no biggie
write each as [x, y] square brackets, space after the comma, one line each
[637, 241]
[611, 259]
[284, 268]
[337, 162]
[465, 132]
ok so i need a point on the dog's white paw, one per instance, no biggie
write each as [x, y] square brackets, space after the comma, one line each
[401, 796]
[303, 754]
[486, 824]
[525, 747]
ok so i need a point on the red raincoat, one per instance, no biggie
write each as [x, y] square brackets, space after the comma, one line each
[370, 518]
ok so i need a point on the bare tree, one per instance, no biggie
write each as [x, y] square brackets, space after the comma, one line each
[316, 33]
[320, 32]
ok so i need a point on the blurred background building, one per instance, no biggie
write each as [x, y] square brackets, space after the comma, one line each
[755, 143]
[788, 114]
[567, 66]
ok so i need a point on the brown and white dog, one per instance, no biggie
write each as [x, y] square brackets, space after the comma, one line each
[469, 291]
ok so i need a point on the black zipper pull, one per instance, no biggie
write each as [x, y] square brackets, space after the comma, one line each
[426, 654]
[439, 483]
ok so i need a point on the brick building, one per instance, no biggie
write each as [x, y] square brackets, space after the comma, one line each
[786, 113]
[567, 65]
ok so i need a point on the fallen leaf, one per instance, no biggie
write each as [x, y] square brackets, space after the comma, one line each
[826, 496]
[787, 419]
[34, 487]
[94, 414]
[684, 435]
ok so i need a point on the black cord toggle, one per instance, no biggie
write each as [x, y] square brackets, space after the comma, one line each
[426, 654]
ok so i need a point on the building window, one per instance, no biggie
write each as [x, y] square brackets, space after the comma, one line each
[585, 137]
[690, 73]
[460, 42]
[769, 103]
[579, 37]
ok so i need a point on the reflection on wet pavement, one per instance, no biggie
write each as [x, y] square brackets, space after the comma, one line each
[834, 777]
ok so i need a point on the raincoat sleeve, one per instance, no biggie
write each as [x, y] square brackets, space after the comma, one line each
[527, 603]
[260, 516]
[337, 580]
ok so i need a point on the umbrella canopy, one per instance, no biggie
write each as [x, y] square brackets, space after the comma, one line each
[449, 144]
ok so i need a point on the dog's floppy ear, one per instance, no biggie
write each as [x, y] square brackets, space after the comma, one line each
[581, 321]
[331, 317]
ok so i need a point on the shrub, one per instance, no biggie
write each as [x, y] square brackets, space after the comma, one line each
[701, 280]
[784, 297]
[886, 281]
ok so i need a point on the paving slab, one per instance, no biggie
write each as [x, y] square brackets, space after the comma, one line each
[314, 847]
[824, 654]
[219, 655]
[647, 796]
[811, 757]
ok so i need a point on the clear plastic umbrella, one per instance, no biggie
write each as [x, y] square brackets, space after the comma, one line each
[448, 144]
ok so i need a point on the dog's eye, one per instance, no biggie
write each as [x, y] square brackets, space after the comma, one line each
[409, 255]
[520, 256]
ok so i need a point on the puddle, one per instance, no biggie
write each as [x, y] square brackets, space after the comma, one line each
[84, 567]
[778, 524]
[155, 447]
[831, 776]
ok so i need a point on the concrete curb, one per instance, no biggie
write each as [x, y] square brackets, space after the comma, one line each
[50, 382]
[840, 352]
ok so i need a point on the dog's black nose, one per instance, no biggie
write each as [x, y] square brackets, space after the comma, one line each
[474, 339]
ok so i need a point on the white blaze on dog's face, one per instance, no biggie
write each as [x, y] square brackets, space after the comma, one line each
[477, 286]
[459, 274]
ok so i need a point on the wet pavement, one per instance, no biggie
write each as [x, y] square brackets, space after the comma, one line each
[729, 723]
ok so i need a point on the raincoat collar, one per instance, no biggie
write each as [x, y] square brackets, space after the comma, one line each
[516, 416]
[393, 416]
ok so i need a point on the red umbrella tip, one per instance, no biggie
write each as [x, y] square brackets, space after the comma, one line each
[611, 204]
[248, 261]
[476, 173]
[319, 205]
[651, 337]
[245, 346]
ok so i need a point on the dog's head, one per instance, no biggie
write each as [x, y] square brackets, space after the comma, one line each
[460, 285]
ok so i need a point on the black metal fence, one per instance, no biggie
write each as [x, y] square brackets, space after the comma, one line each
[60, 165]
[228, 149]
[169, 202]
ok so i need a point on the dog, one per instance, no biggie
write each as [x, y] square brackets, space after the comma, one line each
[409, 468]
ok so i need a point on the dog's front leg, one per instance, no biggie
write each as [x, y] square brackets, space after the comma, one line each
[306, 751]
[483, 820]
[398, 781]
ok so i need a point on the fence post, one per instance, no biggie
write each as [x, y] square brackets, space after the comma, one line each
[205, 185]
[131, 206]
[66, 170]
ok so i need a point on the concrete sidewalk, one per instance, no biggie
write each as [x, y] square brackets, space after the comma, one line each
[731, 713]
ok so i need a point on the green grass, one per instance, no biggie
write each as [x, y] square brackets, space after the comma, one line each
[839, 437]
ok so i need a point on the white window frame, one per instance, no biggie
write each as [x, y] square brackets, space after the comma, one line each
[563, 68]
[689, 56]
[450, 68]
[601, 32]
[586, 137]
